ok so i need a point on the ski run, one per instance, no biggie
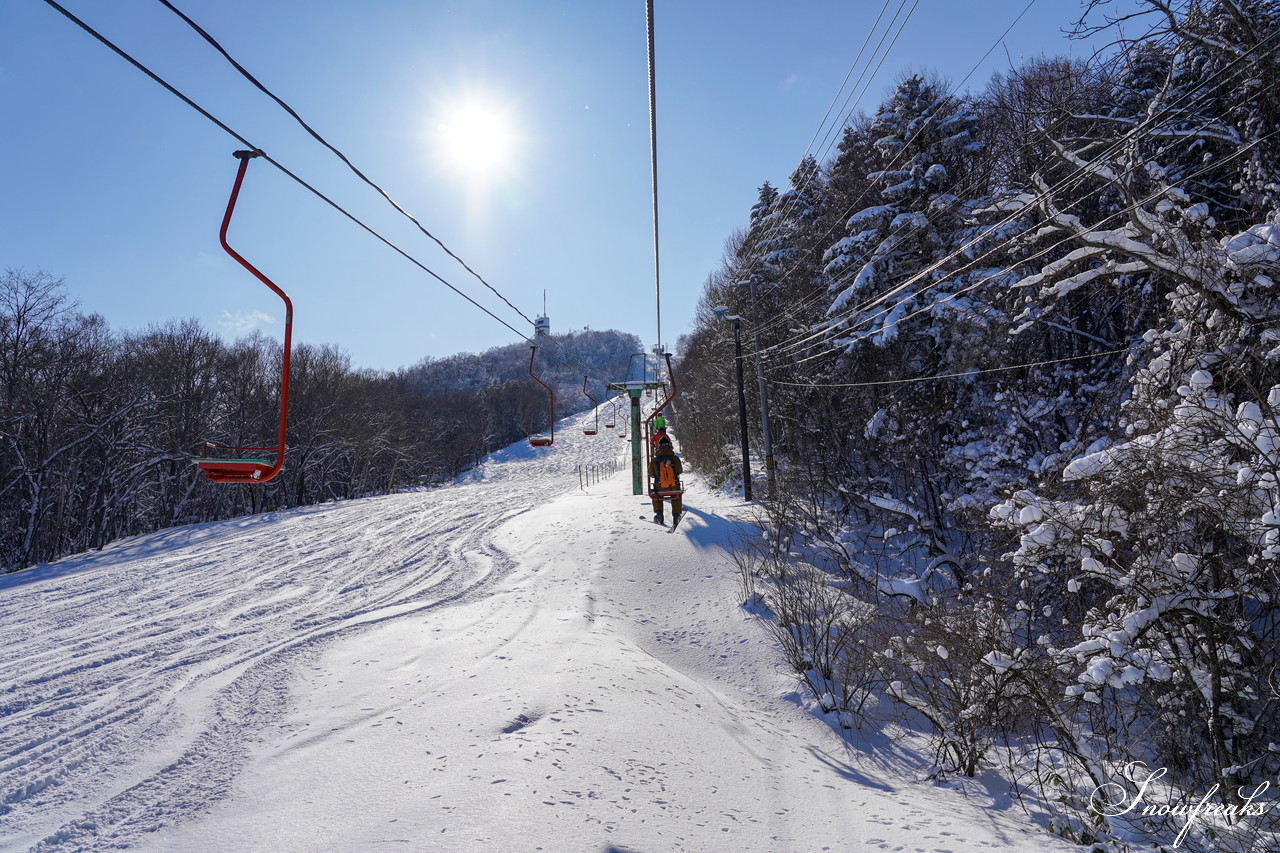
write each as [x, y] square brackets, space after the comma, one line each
[509, 663]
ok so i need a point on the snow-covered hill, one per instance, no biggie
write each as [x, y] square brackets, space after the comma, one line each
[511, 663]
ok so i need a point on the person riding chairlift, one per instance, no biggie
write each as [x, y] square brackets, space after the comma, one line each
[664, 475]
[659, 436]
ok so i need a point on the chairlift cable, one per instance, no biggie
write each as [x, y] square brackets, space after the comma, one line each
[189, 102]
[301, 182]
[653, 163]
[315, 135]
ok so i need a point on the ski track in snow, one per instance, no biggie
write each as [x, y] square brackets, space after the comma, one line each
[508, 663]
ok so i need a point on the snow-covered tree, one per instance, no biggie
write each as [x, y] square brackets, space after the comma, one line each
[1154, 550]
[882, 266]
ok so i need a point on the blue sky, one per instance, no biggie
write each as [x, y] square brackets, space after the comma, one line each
[118, 187]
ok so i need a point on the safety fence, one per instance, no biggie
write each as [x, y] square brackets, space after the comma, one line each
[594, 473]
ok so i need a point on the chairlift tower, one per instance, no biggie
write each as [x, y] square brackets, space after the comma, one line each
[638, 381]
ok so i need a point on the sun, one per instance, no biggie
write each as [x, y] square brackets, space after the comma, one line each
[478, 137]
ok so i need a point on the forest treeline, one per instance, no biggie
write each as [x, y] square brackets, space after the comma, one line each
[1022, 355]
[98, 427]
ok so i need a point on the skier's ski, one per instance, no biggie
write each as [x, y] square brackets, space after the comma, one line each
[650, 518]
[676, 521]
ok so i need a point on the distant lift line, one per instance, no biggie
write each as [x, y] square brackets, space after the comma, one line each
[595, 408]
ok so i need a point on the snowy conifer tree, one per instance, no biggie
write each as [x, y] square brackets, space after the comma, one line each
[880, 268]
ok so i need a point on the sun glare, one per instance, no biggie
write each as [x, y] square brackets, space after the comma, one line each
[478, 138]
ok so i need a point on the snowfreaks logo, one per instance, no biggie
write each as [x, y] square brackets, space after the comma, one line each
[1114, 800]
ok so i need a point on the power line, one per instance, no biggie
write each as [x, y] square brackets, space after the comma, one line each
[875, 24]
[1077, 173]
[789, 202]
[976, 284]
[883, 56]
[1074, 176]
[1082, 169]
[793, 311]
[959, 374]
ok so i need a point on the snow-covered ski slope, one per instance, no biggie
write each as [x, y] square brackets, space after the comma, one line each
[507, 664]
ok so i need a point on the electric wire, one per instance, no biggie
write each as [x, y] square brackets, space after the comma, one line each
[1073, 176]
[1191, 176]
[793, 311]
[1078, 174]
[958, 374]
[1137, 204]
[788, 198]
[883, 56]
[853, 65]
[854, 339]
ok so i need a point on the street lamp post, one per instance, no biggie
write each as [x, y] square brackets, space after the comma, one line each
[723, 314]
[765, 432]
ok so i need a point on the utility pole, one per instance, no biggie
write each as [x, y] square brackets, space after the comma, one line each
[764, 392]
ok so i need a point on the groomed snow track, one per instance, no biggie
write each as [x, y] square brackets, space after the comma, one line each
[508, 663]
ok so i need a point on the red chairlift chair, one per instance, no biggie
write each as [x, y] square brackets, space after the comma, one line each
[230, 465]
[550, 439]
